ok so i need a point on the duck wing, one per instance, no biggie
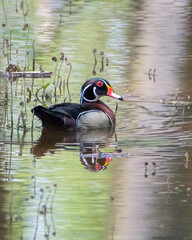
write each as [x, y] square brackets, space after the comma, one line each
[60, 115]
[69, 109]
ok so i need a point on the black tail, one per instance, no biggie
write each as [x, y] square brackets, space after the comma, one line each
[47, 116]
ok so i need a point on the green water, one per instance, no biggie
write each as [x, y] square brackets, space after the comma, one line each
[59, 185]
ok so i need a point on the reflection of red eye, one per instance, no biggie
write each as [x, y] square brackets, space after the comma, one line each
[99, 84]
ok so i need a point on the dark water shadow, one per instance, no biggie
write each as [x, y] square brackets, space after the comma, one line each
[89, 143]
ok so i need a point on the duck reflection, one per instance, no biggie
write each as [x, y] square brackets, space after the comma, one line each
[93, 160]
[90, 143]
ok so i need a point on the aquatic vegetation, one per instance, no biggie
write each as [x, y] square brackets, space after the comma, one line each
[94, 72]
[15, 74]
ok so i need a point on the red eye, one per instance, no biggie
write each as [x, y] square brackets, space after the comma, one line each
[100, 84]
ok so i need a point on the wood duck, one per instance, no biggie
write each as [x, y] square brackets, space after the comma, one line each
[90, 113]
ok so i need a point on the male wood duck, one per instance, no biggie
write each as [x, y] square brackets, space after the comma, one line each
[90, 113]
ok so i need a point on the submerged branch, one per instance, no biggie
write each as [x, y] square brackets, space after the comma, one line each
[32, 74]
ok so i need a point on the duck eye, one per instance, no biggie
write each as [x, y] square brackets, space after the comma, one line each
[100, 84]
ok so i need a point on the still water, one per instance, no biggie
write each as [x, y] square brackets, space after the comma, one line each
[134, 182]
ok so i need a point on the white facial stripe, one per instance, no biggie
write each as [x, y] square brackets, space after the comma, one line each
[86, 88]
[82, 94]
[105, 82]
[96, 96]
[94, 91]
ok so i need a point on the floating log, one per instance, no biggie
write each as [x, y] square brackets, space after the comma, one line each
[32, 74]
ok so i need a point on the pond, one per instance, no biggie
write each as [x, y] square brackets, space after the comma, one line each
[133, 182]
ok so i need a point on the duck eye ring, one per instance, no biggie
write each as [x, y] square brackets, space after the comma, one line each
[100, 84]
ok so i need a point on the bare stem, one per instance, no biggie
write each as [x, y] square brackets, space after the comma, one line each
[33, 55]
[5, 15]
[27, 38]
[70, 68]
[10, 46]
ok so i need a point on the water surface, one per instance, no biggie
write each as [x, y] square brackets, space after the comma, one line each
[131, 183]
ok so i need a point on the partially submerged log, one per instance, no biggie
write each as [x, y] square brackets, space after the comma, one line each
[31, 74]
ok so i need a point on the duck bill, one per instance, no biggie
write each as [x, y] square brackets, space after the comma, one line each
[112, 94]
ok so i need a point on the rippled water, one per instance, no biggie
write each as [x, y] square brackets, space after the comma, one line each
[131, 183]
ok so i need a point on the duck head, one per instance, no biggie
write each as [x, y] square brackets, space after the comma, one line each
[95, 88]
